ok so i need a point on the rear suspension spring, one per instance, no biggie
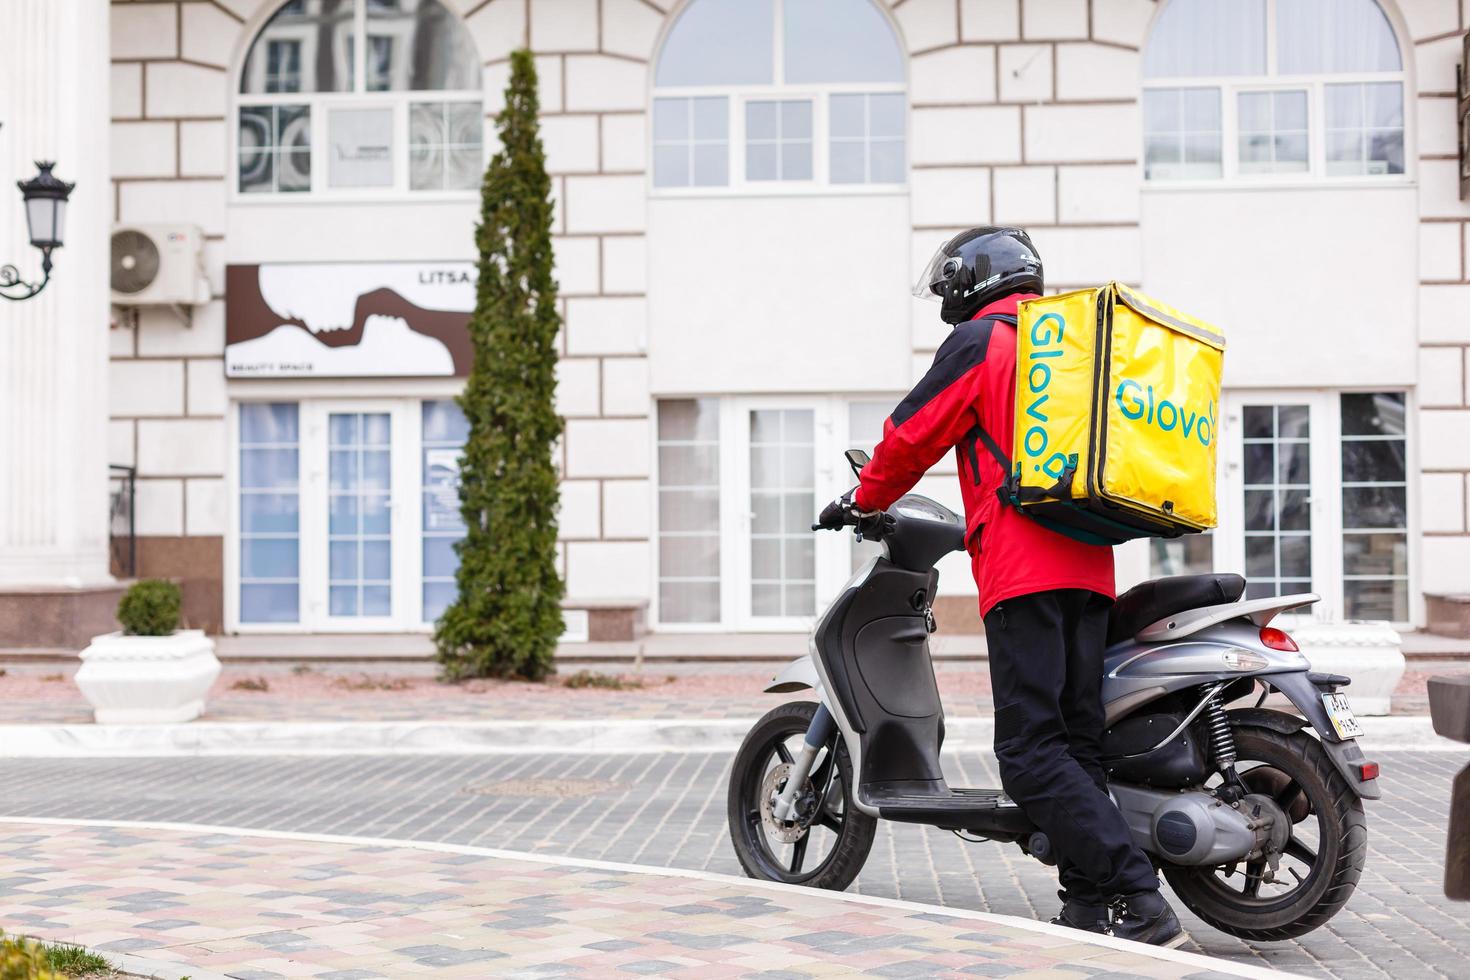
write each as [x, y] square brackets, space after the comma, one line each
[1222, 742]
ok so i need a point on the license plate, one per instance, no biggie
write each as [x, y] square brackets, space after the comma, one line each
[1341, 715]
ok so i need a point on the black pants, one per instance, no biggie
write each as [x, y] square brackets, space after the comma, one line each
[1046, 667]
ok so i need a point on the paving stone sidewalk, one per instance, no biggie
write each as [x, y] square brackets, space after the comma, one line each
[254, 907]
[409, 692]
[45, 694]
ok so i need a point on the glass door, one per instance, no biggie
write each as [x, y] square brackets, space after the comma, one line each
[1276, 502]
[783, 501]
[1375, 506]
[774, 481]
[1278, 498]
[359, 515]
[354, 564]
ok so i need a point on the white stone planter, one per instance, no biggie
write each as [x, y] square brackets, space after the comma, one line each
[148, 679]
[1367, 652]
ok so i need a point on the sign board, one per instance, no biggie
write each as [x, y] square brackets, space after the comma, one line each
[348, 319]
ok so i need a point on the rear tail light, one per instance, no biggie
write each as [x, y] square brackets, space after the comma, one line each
[1367, 771]
[1278, 639]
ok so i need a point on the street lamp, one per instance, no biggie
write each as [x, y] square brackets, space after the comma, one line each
[45, 198]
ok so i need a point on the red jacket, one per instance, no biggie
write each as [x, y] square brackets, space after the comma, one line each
[972, 384]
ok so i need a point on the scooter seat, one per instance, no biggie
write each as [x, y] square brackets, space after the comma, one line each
[1150, 602]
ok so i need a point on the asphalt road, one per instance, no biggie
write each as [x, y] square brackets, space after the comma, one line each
[670, 810]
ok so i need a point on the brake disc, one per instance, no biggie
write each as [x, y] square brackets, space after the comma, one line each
[790, 831]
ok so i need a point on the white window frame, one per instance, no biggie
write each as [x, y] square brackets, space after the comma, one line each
[320, 104]
[735, 494]
[778, 90]
[406, 550]
[833, 551]
[405, 413]
[233, 544]
[724, 458]
[1316, 173]
[820, 155]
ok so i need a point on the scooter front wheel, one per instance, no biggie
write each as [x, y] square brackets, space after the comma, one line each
[827, 843]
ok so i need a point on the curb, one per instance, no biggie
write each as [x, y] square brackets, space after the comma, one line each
[143, 967]
[597, 737]
[1195, 960]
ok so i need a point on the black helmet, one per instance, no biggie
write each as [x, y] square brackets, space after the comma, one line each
[977, 267]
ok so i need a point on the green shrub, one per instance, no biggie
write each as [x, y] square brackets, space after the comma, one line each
[506, 620]
[74, 961]
[150, 608]
[23, 960]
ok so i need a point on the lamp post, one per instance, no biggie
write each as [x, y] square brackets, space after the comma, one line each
[45, 198]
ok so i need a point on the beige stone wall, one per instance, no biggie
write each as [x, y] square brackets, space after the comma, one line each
[1435, 26]
[997, 87]
[1026, 112]
[170, 65]
[592, 59]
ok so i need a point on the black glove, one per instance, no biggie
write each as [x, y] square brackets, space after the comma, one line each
[836, 515]
[872, 526]
[842, 513]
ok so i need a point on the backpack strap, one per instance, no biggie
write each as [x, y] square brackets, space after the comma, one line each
[994, 447]
[985, 437]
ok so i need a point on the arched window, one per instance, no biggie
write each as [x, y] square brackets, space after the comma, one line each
[768, 93]
[345, 97]
[1245, 88]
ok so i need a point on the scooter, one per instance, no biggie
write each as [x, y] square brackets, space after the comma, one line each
[1254, 815]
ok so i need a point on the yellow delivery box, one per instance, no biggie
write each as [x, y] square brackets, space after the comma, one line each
[1117, 416]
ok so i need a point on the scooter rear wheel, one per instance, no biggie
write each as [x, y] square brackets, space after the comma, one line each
[828, 844]
[1323, 857]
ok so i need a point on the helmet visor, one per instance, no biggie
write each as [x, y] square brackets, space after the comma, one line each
[939, 270]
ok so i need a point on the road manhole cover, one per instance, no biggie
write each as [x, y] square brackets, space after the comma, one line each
[546, 788]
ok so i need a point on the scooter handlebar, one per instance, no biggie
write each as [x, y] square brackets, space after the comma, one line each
[834, 518]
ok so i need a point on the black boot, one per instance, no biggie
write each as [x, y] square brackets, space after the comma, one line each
[1145, 917]
[1077, 914]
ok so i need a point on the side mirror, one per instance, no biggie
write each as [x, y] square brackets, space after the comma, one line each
[857, 459]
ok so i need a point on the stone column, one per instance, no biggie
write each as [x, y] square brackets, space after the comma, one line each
[53, 348]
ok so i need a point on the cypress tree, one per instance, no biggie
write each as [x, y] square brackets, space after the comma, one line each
[506, 620]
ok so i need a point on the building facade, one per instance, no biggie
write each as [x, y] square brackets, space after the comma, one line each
[744, 191]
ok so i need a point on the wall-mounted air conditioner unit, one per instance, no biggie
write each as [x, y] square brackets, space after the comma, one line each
[159, 265]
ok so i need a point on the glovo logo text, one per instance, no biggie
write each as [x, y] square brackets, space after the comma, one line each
[1137, 402]
[1046, 347]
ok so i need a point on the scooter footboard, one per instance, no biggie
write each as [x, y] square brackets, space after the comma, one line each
[1306, 697]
